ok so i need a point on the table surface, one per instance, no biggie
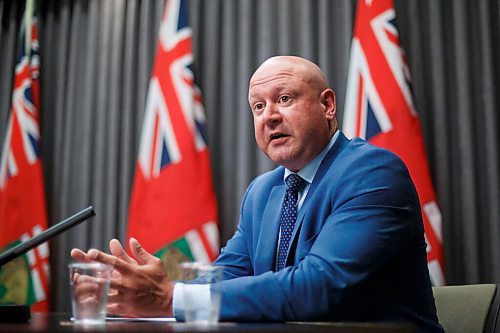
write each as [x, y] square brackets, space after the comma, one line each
[59, 322]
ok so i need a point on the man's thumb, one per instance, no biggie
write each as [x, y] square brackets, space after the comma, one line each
[142, 256]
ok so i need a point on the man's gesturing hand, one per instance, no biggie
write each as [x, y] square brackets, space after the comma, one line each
[140, 286]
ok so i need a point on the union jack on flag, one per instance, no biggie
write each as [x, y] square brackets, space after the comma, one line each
[24, 112]
[379, 108]
[173, 210]
[22, 198]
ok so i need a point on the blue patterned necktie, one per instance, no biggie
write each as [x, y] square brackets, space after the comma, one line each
[294, 184]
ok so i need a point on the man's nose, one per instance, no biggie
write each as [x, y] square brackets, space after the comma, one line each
[272, 114]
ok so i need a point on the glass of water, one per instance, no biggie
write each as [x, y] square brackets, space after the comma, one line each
[89, 282]
[201, 298]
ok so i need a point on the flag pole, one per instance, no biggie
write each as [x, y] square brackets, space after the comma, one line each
[28, 18]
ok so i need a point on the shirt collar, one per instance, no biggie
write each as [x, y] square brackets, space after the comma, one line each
[309, 171]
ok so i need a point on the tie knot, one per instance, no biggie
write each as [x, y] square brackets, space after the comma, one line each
[295, 183]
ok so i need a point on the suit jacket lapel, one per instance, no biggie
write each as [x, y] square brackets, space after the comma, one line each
[268, 238]
[324, 166]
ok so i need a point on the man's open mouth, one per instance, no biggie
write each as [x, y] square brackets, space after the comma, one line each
[278, 136]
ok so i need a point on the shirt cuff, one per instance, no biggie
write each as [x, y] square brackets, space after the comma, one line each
[197, 296]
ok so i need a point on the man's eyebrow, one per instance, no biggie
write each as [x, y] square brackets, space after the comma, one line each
[252, 97]
[276, 90]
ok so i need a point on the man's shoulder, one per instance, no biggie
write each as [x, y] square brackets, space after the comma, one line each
[363, 145]
[357, 160]
[358, 149]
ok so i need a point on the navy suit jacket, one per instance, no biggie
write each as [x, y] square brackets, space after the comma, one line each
[357, 251]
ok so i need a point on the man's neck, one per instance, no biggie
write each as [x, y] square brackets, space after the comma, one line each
[309, 170]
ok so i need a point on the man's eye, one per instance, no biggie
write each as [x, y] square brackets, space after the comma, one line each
[284, 99]
[258, 106]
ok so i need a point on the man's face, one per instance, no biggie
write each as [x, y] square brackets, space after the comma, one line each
[291, 115]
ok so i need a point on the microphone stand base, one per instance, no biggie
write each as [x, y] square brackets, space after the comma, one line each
[14, 313]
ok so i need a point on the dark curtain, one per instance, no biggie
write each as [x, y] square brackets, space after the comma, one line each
[96, 62]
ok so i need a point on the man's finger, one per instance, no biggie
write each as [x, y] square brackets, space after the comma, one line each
[142, 256]
[112, 292]
[115, 274]
[114, 309]
[86, 288]
[115, 298]
[79, 255]
[116, 249]
[118, 287]
[117, 263]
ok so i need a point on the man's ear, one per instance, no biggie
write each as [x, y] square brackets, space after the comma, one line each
[329, 102]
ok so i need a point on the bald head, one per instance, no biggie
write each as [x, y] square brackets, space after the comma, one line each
[301, 68]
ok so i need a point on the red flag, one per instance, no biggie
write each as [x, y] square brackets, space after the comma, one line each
[379, 108]
[173, 211]
[22, 198]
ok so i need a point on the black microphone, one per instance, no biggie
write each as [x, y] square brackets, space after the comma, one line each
[22, 313]
[24, 247]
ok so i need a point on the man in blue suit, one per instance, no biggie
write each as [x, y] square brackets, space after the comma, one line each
[334, 233]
